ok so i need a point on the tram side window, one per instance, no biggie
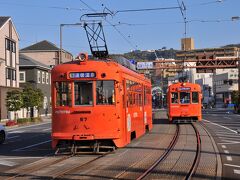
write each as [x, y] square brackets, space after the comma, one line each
[174, 98]
[83, 94]
[195, 98]
[184, 97]
[105, 92]
[64, 94]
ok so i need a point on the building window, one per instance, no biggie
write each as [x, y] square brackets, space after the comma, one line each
[11, 74]
[39, 77]
[43, 77]
[47, 79]
[22, 76]
[10, 45]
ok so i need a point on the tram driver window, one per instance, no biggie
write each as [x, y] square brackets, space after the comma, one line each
[105, 93]
[184, 97]
[195, 97]
[83, 94]
[174, 98]
[63, 90]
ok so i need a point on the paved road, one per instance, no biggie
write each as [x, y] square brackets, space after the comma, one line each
[25, 145]
[225, 127]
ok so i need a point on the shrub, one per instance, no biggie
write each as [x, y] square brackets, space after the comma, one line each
[23, 120]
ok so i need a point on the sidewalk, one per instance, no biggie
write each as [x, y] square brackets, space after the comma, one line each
[44, 119]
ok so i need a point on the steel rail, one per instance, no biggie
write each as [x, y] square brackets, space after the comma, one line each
[164, 155]
[197, 156]
[38, 167]
[75, 168]
[218, 157]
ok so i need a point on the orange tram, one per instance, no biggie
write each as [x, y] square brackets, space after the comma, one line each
[184, 102]
[98, 104]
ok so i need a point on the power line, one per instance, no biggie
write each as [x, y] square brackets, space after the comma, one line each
[49, 7]
[147, 9]
[119, 32]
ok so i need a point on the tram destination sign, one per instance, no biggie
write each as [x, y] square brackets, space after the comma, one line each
[184, 88]
[82, 75]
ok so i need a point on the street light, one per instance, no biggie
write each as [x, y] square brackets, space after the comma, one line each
[61, 26]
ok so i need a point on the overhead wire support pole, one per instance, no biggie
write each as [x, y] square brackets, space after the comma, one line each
[61, 39]
[183, 10]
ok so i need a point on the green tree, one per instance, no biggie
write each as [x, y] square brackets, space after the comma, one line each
[28, 95]
[234, 96]
[14, 101]
[38, 99]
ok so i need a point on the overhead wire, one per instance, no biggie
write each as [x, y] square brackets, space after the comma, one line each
[119, 32]
[48, 7]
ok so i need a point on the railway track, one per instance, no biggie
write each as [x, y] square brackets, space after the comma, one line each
[33, 170]
[185, 145]
[30, 168]
[164, 155]
[169, 151]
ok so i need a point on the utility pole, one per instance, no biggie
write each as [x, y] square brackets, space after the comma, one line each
[236, 18]
[61, 39]
[60, 53]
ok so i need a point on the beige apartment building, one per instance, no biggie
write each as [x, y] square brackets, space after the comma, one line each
[46, 53]
[9, 61]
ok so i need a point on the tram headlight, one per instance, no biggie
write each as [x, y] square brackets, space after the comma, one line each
[82, 57]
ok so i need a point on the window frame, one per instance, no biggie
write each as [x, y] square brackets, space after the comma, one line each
[39, 77]
[43, 77]
[73, 89]
[189, 92]
[197, 98]
[24, 76]
[177, 98]
[114, 94]
[69, 94]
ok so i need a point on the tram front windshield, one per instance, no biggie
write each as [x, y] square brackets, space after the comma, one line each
[83, 93]
[184, 97]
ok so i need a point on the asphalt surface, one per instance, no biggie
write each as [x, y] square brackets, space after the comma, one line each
[25, 145]
[224, 126]
[31, 143]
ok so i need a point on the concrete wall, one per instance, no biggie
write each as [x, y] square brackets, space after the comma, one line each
[49, 58]
[8, 31]
[32, 79]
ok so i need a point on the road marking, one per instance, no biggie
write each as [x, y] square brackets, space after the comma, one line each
[228, 138]
[28, 126]
[13, 137]
[47, 129]
[232, 165]
[236, 171]
[27, 147]
[220, 126]
[13, 132]
[224, 147]
[7, 163]
[229, 142]
[15, 158]
[226, 151]
[227, 118]
[229, 158]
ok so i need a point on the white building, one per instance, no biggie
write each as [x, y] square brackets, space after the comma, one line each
[225, 82]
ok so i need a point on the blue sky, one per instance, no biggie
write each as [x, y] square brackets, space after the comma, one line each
[39, 20]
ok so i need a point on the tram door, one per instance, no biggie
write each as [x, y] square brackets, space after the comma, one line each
[124, 107]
